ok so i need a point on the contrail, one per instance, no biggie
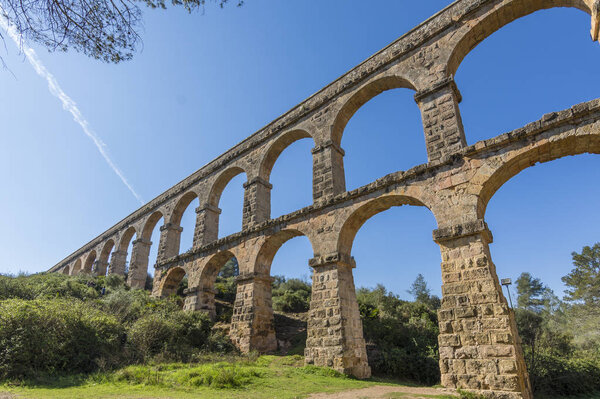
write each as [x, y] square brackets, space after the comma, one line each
[67, 103]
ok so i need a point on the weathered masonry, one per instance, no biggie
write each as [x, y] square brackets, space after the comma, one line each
[479, 345]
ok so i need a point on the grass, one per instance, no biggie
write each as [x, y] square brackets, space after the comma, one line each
[265, 377]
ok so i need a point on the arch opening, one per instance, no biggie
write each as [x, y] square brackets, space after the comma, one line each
[171, 284]
[185, 217]
[104, 257]
[227, 194]
[394, 253]
[76, 268]
[89, 262]
[285, 258]
[288, 167]
[382, 134]
[217, 286]
[535, 239]
[145, 253]
[513, 55]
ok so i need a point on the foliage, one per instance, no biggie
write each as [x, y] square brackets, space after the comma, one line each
[422, 293]
[174, 335]
[54, 335]
[51, 285]
[291, 295]
[101, 29]
[560, 340]
[404, 335]
[584, 280]
[529, 292]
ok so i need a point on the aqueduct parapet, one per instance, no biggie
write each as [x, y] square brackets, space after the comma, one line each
[479, 345]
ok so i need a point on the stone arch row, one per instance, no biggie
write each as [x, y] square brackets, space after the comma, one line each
[479, 345]
[428, 71]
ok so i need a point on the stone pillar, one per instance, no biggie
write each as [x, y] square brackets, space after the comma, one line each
[117, 263]
[170, 236]
[479, 345]
[207, 225]
[335, 334]
[257, 202]
[442, 123]
[138, 268]
[252, 321]
[328, 171]
[99, 268]
[201, 300]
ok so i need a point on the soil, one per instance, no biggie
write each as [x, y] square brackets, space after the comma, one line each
[385, 392]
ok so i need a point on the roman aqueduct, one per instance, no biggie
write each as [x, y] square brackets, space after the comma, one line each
[479, 344]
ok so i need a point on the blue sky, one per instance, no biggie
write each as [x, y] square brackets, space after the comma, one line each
[204, 82]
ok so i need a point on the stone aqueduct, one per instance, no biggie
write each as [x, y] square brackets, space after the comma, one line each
[479, 344]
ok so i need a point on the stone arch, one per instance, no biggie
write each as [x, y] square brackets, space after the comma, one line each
[76, 268]
[126, 238]
[171, 281]
[221, 182]
[358, 217]
[209, 272]
[276, 148]
[360, 98]
[150, 224]
[500, 16]
[103, 258]
[271, 246]
[89, 261]
[517, 161]
[182, 204]
[109, 245]
[65, 270]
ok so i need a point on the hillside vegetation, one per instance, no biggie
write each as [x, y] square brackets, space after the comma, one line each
[81, 331]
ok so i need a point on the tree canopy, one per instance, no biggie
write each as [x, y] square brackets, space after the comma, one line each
[584, 280]
[102, 29]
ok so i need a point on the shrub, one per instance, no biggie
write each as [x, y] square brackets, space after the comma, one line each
[559, 376]
[172, 335]
[291, 295]
[52, 285]
[402, 336]
[54, 335]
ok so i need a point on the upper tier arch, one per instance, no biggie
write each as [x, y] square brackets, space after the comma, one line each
[360, 98]
[493, 19]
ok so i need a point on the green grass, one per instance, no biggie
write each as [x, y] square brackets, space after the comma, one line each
[265, 377]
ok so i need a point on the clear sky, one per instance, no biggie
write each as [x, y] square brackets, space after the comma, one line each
[205, 81]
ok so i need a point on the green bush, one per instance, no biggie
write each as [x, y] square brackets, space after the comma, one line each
[174, 336]
[569, 377]
[55, 335]
[52, 285]
[129, 305]
[291, 295]
[402, 336]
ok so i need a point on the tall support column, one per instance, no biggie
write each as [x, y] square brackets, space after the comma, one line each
[252, 320]
[99, 268]
[257, 202]
[170, 236]
[201, 300]
[328, 171]
[444, 131]
[207, 225]
[138, 269]
[479, 345]
[117, 263]
[335, 335]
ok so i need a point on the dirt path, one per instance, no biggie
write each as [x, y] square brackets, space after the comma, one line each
[385, 392]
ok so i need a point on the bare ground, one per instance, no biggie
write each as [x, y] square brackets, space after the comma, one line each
[385, 392]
